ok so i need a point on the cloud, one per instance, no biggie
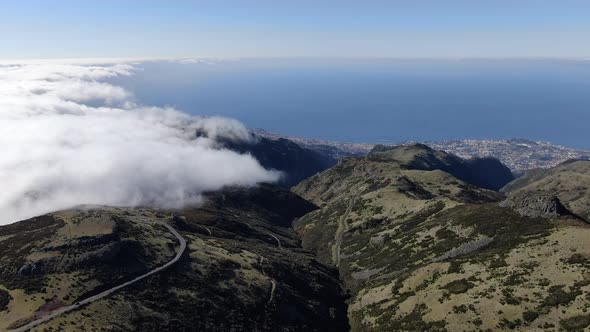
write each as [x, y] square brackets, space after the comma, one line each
[67, 137]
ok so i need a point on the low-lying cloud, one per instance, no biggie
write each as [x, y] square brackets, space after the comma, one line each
[67, 137]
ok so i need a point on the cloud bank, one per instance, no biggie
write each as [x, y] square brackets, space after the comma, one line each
[67, 137]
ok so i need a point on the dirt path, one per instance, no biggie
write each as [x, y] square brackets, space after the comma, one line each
[273, 287]
[108, 292]
[273, 283]
[276, 238]
[342, 228]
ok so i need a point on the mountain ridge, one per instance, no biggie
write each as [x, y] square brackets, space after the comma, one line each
[519, 155]
[419, 249]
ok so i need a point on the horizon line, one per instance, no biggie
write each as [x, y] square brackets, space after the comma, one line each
[197, 59]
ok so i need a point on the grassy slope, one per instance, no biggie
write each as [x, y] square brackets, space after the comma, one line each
[425, 251]
[570, 182]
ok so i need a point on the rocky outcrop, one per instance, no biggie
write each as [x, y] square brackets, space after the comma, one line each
[4, 299]
[465, 248]
[37, 267]
[536, 205]
[570, 182]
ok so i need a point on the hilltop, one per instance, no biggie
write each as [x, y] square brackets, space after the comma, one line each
[487, 173]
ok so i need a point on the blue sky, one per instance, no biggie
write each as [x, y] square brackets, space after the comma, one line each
[452, 28]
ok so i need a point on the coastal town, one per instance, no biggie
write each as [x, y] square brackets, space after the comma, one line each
[518, 154]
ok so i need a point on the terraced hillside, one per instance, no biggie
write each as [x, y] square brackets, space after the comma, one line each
[420, 249]
[243, 269]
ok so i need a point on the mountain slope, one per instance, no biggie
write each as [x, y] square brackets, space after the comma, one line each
[488, 173]
[243, 269]
[297, 163]
[569, 181]
[420, 249]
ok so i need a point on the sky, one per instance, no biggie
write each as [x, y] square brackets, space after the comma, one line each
[350, 29]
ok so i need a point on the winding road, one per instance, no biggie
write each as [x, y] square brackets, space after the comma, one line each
[267, 232]
[276, 239]
[108, 292]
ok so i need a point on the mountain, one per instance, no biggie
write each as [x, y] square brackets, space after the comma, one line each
[569, 182]
[242, 270]
[488, 173]
[333, 149]
[404, 239]
[295, 161]
[518, 154]
[420, 249]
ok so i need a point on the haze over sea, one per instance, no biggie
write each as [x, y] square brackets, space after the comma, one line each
[381, 100]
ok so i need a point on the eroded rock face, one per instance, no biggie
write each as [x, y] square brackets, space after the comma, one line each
[536, 205]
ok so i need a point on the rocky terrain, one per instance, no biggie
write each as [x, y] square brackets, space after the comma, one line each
[420, 249]
[243, 269]
[536, 205]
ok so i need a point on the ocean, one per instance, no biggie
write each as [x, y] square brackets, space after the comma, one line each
[381, 101]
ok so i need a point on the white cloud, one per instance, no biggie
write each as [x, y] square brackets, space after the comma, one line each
[67, 138]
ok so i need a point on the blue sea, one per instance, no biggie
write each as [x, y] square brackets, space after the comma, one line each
[382, 100]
